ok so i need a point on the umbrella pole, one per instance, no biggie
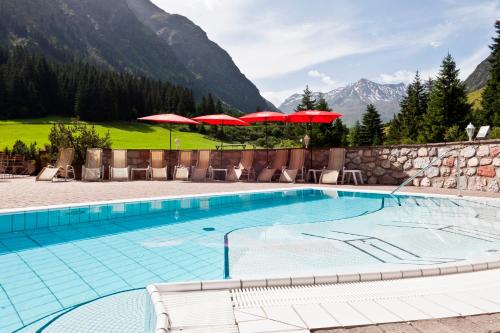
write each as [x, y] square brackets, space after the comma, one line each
[221, 142]
[310, 146]
[170, 147]
[267, 146]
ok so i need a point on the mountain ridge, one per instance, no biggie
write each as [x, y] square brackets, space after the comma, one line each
[351, 100]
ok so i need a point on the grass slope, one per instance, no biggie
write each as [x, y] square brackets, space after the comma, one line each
[475, 98]
[123, 134]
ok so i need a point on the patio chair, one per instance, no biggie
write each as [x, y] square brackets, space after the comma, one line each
[203, 168]
[157, 165]
[119, 168]
[93, 169]
[184, 164]
[244, 167]
[295, 166]
[279, 162]
[331, 173]
[62, 167]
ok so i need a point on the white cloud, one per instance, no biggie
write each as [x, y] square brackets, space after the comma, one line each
[435, 44]
[326, 79]
[277, 97]
[406, 76]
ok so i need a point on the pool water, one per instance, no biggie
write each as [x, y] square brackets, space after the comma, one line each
[56, 262]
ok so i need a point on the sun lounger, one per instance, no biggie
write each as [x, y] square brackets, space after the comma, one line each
[203, 168]
[295, 166]
[279, 162]
[158, 169]
[62, 167]
[244, 167]
[183, 168]
[119, 168]
[93, 170]
[331, 173]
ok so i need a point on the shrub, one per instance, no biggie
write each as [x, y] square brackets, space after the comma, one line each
[78, 136]
[495, 133]
[20, 148]
[455, 133]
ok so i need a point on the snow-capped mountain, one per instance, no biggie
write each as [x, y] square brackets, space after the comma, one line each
[352, 99]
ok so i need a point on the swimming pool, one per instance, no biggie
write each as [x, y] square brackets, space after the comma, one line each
[60, 259]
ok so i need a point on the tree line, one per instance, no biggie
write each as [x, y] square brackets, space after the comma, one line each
[32, 87]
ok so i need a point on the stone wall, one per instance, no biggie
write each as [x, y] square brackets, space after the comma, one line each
[479, 164]
[388, 165]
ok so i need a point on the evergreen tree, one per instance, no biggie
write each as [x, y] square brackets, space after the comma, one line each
[308, 102]
[413, 107]
[338, 134]
[354, 135]
[490, 103]
[371, 131]
[322, 104]
[447, 104]
[218, 107]
[394, 134]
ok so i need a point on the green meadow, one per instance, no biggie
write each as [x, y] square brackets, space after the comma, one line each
[123, 134]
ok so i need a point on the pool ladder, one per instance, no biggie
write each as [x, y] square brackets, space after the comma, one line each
[439, 157]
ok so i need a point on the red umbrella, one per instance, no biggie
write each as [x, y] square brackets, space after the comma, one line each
[169, 118]
[265, 117]
[312, 116]
[221, 119]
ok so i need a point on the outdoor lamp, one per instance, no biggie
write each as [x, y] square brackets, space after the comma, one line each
[307, 139]
[177, 143]
[470, 131]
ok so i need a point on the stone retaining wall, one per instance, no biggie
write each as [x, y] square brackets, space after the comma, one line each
[388, 165]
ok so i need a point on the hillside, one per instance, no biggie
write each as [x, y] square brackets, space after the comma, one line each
[474, 98]
[123, 134]
[110, 34]
[478, 78]
[352, 99]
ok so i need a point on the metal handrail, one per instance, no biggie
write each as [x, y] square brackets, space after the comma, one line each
[421, 171]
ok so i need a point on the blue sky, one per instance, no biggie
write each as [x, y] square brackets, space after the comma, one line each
[282, 45]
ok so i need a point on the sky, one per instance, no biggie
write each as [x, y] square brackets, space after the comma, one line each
[282, 45]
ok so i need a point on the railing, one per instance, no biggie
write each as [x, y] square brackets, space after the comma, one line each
[431, 163]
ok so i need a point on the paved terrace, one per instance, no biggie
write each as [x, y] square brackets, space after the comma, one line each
[25, 192]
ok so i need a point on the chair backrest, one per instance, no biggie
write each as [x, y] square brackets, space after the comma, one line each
[119, 158]
[203, 161]
[297, 157]
[93, 158]
[280, 159]
[156, 159]
[65, 157]
[336, 159]
[246, 161]
[185, 158]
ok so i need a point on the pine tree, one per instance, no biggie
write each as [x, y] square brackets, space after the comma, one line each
[490, 104]
[338, 134]
[447, 104]
[394, 134]
[322, 104]
[372, 131]
[413, 107]
[354, 135]
[308, 102]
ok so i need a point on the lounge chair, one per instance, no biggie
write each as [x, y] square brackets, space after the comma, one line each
[244, 167]
[183, 168]
[93, 170]
[119, 168]
[158, 169]
[331, 173]
[62, 167]
[279, 162]
[203, 168]
[295, 166]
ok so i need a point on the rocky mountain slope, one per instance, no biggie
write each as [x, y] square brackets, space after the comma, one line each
[352, 99]
[128, 35]
[479, 76]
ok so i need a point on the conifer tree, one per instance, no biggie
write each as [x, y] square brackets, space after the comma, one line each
[308, 102]
[371, 131]
[322, 104]
[413, 107]
[489, 114]
[447, 104]
[354, 135]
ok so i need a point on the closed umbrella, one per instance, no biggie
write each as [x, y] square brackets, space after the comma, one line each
[264, 117]
[169, 118]
[222, 120]
[310, 117]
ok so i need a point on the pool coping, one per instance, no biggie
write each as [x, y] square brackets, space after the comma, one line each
[281, 189]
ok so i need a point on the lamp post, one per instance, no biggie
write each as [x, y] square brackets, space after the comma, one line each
[177, 143]
[470, 129]
[307, 139]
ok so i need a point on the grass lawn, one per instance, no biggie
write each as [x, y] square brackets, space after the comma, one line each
[128, 135]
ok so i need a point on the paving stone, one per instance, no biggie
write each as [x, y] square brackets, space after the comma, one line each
[459, 325]
[490, 323]
[398, 328]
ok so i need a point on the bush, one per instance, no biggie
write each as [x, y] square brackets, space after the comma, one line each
[78, 136]
[455, 133]
[495, 133]
[20, 148]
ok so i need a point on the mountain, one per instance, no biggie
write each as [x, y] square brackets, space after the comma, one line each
[479, 76]
[352, 99]
[128, 35]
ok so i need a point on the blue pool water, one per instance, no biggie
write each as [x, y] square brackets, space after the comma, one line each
[56, 260]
